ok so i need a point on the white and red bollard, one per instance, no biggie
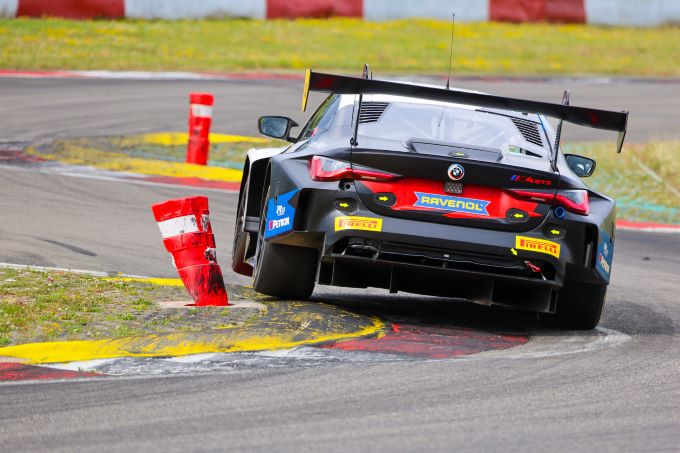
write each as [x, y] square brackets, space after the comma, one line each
[187, 235]
[200, 119]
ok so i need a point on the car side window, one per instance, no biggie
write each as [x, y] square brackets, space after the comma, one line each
[322, 119]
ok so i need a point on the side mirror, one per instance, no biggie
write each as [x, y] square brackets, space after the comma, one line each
[581, 166]
[276, 127]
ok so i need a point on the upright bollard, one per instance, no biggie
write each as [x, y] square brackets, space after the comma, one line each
[187, 235]
[200, 119]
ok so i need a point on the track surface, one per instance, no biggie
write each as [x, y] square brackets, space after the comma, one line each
[49, 108]
[620, 398]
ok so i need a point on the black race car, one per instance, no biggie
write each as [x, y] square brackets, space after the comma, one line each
[431, 191]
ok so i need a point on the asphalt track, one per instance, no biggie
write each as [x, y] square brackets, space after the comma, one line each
[53, 108]
[624, 397]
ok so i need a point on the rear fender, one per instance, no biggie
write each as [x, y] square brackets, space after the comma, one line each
[259, 161]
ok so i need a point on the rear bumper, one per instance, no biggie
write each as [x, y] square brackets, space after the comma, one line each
[481, 265]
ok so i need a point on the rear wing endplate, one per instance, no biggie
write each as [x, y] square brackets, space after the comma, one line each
[583, 116]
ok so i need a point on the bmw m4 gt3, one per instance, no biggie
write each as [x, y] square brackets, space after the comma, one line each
[431, 191]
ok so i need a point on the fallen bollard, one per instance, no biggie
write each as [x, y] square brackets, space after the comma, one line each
[187, 235]
[200, 119]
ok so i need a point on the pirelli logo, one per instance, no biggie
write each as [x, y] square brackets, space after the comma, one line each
[358, 223]
[537, 245]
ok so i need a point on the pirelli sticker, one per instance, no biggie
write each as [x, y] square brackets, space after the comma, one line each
[537, 245]
[358, 223]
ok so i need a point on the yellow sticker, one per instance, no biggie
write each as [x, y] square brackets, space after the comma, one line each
[537, 245]
[358, 223]
[305, 93]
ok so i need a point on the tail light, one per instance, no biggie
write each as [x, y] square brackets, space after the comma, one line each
[575, 201]
[327, 169]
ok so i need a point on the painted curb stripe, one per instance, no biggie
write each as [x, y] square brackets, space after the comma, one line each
[647, 226]
[432, 342]
[23, 372]
[151, 167]
[182, 138]
[179, 344]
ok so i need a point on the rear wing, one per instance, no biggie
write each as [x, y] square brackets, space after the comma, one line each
[583, 116]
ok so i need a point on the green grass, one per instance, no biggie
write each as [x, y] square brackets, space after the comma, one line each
[419, 46]
[644, 179]
[40, 306]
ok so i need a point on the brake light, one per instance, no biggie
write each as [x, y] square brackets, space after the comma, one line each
[576, 201]
[327, 169]
[533, 195]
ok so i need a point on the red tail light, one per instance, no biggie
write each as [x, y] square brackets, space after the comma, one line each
[575, 201]
[533, 195]
[327, 169]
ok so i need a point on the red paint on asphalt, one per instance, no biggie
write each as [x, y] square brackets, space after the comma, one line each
[431, 342]
[23, 372]
[17, 157]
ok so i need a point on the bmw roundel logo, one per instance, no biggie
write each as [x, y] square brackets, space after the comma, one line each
[456, 172]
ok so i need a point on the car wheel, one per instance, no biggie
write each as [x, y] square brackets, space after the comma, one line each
[579, 306]
[283, 271]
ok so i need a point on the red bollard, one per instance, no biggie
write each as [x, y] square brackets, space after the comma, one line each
[187, 234]
[200, 119]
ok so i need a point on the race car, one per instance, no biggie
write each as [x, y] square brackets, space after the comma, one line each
[429, 190]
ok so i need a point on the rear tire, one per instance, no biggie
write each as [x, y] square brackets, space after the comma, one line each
[283, 271]
[579, 306]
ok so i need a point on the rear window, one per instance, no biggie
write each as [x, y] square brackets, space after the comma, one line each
[403, 122]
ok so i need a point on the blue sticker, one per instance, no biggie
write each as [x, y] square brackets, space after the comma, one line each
[280, 215]
[454, 204]
[605, 255]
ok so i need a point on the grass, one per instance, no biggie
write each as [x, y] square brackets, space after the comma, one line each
[420, 46]
[40, 306]
[644, 179]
